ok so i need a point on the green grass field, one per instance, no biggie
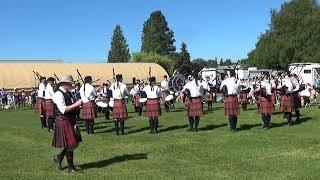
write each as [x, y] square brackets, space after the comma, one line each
[213, 153]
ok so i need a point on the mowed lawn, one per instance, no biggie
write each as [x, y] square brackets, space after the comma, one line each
[212, 153]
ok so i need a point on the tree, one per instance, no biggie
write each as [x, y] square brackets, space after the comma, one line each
[119, 51]
[163, 61]
[291, 36]
[183, 64]
[157, 36]
[198, 65]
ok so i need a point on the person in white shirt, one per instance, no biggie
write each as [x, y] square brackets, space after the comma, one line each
[231, 105]
[119, 113]
[193, 90]
[165, 91]
[287, 102]
[136, 96]
[208, 94]
[40, 103]
[153, 110]
[67, 134]
[88, 94]
[266, 107]
[50, 116]
[296, 97]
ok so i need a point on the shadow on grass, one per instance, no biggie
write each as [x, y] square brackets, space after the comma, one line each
[112, 130]
[285, 123]
[117, 159]
[141, 129]
[171, 128]
[244, 127]
[211, 127]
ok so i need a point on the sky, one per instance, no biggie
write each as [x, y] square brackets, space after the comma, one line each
[81, 30]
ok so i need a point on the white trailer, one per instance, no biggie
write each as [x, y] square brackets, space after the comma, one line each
[307, 72]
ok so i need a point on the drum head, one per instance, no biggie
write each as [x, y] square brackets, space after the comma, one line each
[111, 102]
[102, 103]
[169, 98]
[143, 100]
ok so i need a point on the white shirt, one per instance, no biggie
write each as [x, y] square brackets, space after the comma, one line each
[267, 86]
[232, 86]
[59, 100]
[41, 89]
[164, 84]
[119, 92]
[156, 93]
[49, 92]
[204, 84]
[296, 85]
[136, 88]
[195, 91]
[288, 83]
[89, 94]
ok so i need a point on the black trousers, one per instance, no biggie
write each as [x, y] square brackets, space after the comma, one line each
[194, 123]
[233, 120]
[90, 126]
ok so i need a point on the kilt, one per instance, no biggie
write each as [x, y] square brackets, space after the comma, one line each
[194, 107]
[208, 97]
[243, 97]
[119, 110]
[136, 99]
[49, 108]
[153, 108]
[274, 98]
[88, 110]
[266, 105]
[40, 106]
[64, 135]
[287, 104]
[297, 101]
[231, 106]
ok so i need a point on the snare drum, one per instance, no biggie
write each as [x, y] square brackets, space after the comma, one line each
[102, 102]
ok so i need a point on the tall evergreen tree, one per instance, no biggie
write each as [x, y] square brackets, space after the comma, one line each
[157, 36]
[119, 51]
[183, 65]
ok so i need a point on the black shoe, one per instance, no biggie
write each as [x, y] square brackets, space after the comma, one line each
[56, 160]
[72, 170]
[190, 129]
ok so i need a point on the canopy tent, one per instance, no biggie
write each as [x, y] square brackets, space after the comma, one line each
[20, 74]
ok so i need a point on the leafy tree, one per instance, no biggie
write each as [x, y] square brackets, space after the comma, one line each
[198, 65]
[183, 64]
[157, 37]
[119, 51]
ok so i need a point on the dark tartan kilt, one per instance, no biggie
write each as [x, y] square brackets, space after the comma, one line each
[266, 105]
[274, 98]
[153, 108]
[64, 135]
[297, 101]
[243, 97]
[49, 108]
[194, 107]
[40, 106]
[231, 106]
[136, 99]
[89, 110]
[119, 111]
[287, 104]
[208, 97]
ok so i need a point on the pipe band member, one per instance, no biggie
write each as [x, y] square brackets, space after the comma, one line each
[119, 112]
[231, 105]
[266, 107]
[193, 91]
[153, 110]
[50, 115]
[66, 136]
[296, 97]
[40, 103]
[287, 101]
[88, 94]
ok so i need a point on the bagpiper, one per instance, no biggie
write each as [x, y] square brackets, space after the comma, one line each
[50, 116]
[296, 97]
[40, 103]
[287, 101]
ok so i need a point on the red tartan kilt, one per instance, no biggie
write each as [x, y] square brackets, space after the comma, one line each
[49, 108]
[287, 104]
[297, 101]
[64, 135]
[208, 97]
[266, 105]
[231, 106]
[119, 110]
[243, 97]
[89, 110]
[152, 108]
[40, 106]
[194, 107]
[136, 99]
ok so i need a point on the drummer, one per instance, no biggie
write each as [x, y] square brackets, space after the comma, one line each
[106, 95]
[153, 110]
[165, 91]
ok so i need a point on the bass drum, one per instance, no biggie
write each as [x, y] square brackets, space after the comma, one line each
[176, 83]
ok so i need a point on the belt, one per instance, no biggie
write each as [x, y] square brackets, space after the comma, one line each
[153, 99]
[119, 100]
[231, 95]
[194, 97]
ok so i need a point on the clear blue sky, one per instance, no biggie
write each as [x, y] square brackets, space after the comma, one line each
[80, 30]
